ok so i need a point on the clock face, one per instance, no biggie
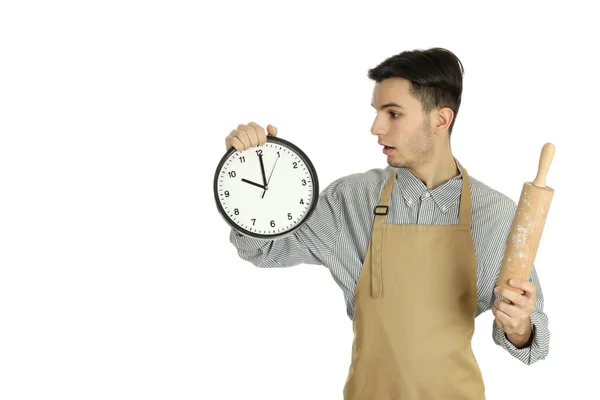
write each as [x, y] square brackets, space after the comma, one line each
[272, 209]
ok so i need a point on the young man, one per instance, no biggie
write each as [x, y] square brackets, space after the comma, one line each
[416, 247]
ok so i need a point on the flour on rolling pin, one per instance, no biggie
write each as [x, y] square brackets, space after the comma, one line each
[530, 217]
[527, 226]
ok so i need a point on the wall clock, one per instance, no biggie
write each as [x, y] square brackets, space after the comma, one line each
[266, 191]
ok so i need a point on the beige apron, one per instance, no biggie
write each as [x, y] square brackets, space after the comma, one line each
[415, 307]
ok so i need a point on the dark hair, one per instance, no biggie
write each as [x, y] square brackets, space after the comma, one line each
[435, 75]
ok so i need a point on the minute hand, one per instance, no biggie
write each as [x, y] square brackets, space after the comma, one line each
[262, 169]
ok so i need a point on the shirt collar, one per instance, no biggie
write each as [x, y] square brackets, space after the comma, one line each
[414, 191]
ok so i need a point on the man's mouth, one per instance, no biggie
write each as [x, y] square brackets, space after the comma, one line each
[387, 149]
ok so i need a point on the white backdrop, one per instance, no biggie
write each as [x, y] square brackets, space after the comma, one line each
[117, 278]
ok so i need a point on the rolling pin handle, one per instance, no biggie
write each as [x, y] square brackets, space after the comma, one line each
[545, 161]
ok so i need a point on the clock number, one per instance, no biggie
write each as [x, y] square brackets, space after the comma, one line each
[232, 174]
[236, 211]
[303, 182]
[301, 201]
[273, 223]
[278, 155]
[259, 152]
[242, 159]
[253, 221]
[295, 164]
[227, 193]
[289, 215]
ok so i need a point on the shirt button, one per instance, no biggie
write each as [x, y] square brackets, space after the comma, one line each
[444, 209]
[426, 194]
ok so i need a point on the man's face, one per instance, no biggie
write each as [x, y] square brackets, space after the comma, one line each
[403, 127]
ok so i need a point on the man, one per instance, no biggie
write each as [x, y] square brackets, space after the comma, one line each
[416, 247]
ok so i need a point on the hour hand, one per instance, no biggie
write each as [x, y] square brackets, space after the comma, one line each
[253, 183]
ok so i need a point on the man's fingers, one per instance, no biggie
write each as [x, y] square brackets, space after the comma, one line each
[528, 287]
[233, 140]
[247, 136]
[512, 310]
[502, 319]
[513, 296]
[261, 136]
[242, 135]
[248, 133]
[251, 133]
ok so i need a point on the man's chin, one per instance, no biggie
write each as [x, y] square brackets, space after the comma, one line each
[397, 164]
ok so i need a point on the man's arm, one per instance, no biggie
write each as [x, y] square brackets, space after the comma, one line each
[528, 347]
[312, 243]
[532, 346]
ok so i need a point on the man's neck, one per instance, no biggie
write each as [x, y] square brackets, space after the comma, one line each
[437, 171]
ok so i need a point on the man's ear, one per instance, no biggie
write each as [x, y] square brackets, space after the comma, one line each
[444, 118]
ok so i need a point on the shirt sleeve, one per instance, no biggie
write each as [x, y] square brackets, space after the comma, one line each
[312, 243]
[539, 346]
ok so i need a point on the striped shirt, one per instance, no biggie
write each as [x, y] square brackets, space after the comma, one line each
[338, 232]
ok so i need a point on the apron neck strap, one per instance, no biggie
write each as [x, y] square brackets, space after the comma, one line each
[381, 210]
[464, 215]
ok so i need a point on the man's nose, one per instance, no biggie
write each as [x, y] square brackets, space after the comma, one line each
[377, 129]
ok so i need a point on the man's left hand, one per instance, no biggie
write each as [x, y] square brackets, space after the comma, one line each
[514, 310]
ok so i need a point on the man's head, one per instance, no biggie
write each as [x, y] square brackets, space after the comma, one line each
[425, 87]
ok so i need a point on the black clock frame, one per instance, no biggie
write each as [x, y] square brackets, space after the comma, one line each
[313, 175]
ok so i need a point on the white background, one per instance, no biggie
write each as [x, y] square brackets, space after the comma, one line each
[117, 278]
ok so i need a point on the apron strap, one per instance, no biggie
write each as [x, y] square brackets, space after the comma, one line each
[380, 211]
[464, 215]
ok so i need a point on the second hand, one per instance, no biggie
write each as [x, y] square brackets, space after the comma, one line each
[270, 175]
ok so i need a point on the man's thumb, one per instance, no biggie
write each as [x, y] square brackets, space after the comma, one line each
[272, 131]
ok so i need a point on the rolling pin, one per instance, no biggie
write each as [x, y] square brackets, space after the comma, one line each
[527, 226]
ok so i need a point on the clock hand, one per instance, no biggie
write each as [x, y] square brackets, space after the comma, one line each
[262, 169]
[253, 183]
[270, 175]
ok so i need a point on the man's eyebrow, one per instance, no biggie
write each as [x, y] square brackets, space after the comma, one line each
[389, 105]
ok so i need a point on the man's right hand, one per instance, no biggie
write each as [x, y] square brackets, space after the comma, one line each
[247, 136]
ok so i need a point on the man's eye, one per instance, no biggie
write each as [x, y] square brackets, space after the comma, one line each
[393, 114]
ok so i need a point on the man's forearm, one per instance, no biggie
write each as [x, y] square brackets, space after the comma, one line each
[521, 341]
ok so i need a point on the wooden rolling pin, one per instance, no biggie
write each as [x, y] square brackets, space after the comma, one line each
[527, 226]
